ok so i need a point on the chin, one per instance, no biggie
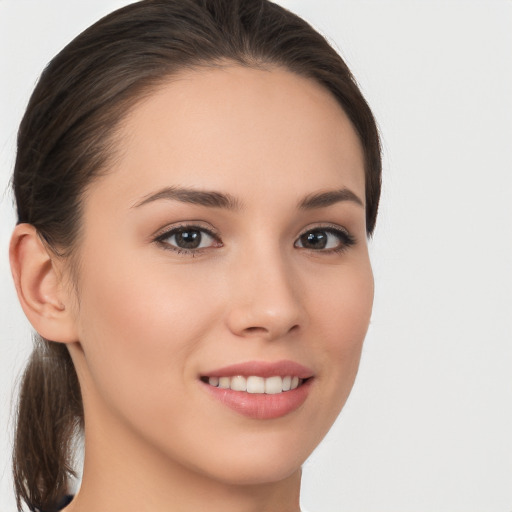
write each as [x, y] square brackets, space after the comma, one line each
[256, 472]
[262, 457]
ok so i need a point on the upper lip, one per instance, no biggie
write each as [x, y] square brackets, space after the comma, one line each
[281, 368]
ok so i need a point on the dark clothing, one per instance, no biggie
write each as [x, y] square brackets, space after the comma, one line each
[64, 502]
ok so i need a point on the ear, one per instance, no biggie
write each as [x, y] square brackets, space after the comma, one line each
[38, 281]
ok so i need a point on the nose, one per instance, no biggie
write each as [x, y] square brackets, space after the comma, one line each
[265, 298]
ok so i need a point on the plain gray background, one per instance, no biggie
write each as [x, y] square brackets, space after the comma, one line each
[428, 427]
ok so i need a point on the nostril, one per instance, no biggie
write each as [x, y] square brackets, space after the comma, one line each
[256, 330]
[269, 331]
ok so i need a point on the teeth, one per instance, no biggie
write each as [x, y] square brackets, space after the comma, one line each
[273, 385]
[238, 383]
[255, 384]
[224, 382]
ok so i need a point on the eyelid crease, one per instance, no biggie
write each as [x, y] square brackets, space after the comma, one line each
[197, 224]
[326, 226]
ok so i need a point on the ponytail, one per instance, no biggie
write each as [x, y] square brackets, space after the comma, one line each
[49, 416]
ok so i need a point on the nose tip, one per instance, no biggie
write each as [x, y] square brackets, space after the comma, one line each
[266, 306]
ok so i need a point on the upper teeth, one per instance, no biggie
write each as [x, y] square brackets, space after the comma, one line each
[254, 384]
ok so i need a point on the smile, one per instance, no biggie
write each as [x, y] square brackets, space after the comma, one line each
[255, 384]
[260, 390]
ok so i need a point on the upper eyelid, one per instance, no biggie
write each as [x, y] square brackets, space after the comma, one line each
[170, 228]
[325, 226]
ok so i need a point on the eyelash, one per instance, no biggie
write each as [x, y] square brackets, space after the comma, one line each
[346, 240]
[183, 228]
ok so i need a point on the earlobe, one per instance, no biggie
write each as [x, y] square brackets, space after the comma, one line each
[39, 286]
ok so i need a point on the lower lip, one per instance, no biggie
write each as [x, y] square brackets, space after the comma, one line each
[261, 406]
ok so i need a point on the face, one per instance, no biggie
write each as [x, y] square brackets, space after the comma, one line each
[225, 250]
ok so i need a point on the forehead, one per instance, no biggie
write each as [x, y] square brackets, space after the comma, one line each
[237, 129]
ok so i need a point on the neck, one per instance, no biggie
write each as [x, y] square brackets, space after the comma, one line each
[122, 472]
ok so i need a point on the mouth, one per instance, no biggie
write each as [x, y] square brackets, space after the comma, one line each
[254, 384]
[260, 390]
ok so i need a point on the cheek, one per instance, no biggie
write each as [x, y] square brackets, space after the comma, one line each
[343, 314]
[139, 325]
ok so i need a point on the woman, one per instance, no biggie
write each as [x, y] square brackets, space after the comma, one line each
[195, 181]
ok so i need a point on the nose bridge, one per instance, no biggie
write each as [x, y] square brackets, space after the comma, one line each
[265, 298]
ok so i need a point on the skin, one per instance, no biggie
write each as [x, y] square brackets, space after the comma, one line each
[147, 321]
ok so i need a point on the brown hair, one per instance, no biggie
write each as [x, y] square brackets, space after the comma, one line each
[67, 139]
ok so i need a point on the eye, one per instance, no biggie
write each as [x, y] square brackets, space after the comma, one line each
[188, 239]
[328, 239]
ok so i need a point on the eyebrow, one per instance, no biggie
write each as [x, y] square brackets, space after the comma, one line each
[207, 198]
[324, 199]
[213, 199]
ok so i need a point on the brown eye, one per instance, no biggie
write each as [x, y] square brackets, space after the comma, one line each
[186, 238]
[314, 240]
[325, 239]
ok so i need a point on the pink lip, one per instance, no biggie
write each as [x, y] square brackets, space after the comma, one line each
[262, 406]
[263, 369]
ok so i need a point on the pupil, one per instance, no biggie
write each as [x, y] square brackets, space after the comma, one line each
[188, 239]
[314, 240]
